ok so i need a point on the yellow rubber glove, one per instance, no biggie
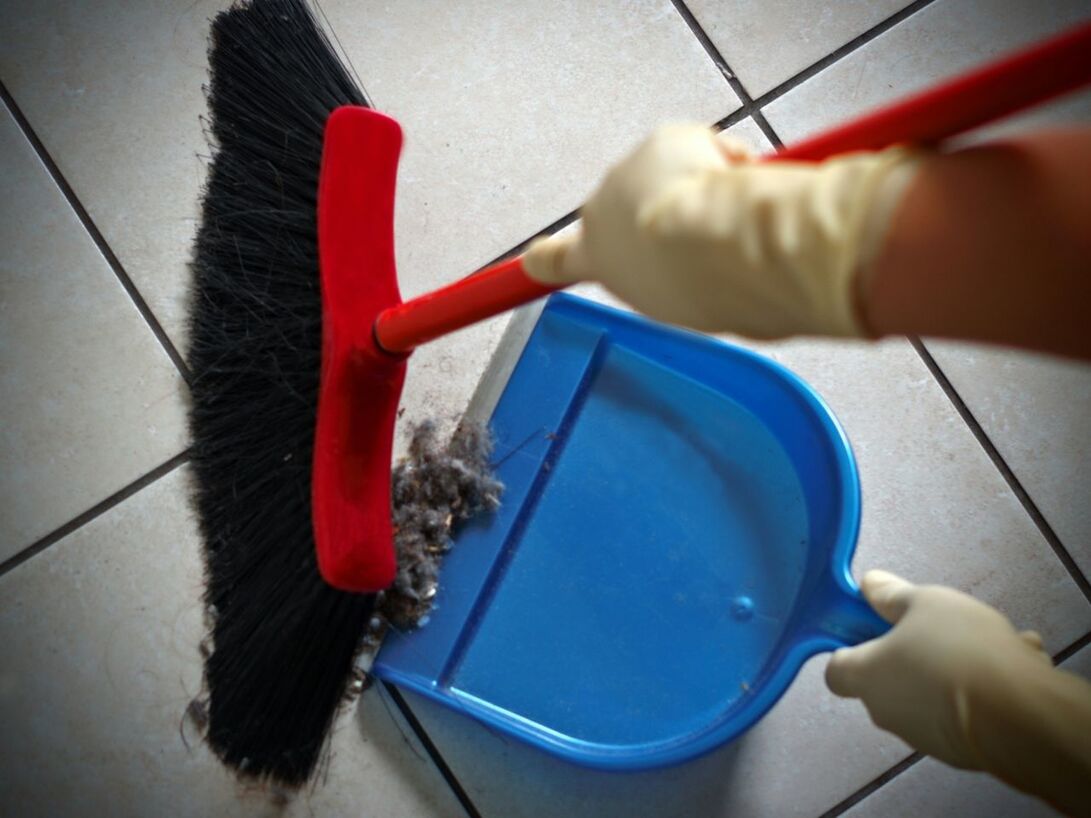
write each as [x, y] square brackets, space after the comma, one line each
[689, 229]
[956, 681]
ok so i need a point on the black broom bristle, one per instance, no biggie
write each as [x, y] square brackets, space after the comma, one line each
[283, 641]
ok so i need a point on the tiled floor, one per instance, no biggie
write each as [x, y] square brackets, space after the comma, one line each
[974, 462]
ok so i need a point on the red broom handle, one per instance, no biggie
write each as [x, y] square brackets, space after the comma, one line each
[482, 295]
[998, 89]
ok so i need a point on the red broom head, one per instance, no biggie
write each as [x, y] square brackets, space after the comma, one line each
[360, 383]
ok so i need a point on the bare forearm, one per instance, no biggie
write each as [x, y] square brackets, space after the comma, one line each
[992, 243]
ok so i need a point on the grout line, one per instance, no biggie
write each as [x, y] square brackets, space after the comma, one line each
[734, 118]
[882, 780]
[839, 53]
[1065, 654]
[432, 750]
[1005, 470]
[549, 229]
[748, 107]
[844, 806]
[751, 106]
[96, 235]
[97, 510]
[712, 51]
[767, 129]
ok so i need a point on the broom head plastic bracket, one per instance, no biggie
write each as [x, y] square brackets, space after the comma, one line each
[360, 383]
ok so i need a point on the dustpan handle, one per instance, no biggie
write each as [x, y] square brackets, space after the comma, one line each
[848, 619]
[998, 89]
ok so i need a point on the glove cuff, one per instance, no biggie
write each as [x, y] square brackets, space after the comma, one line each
[887, 191]
[856, 196]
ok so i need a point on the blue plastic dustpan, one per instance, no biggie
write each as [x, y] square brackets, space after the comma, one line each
[673, 544]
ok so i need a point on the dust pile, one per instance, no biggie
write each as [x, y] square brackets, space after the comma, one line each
[434, 487]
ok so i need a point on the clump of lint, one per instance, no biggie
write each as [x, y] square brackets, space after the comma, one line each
[434, 487]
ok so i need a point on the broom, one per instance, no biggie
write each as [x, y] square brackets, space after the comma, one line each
[298, 341]
[283, 640]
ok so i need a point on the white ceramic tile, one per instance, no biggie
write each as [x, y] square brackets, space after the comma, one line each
[100, 636]
[113, 89]
[1037, 412]
[943, 39]
[935, 510]
[766, 42]
[512, 112]
[930, 789]
[89, 399]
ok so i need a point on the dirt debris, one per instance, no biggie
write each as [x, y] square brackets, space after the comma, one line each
[434, 487]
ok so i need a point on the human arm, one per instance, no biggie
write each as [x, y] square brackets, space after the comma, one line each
[992, 243]
[988, 243]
